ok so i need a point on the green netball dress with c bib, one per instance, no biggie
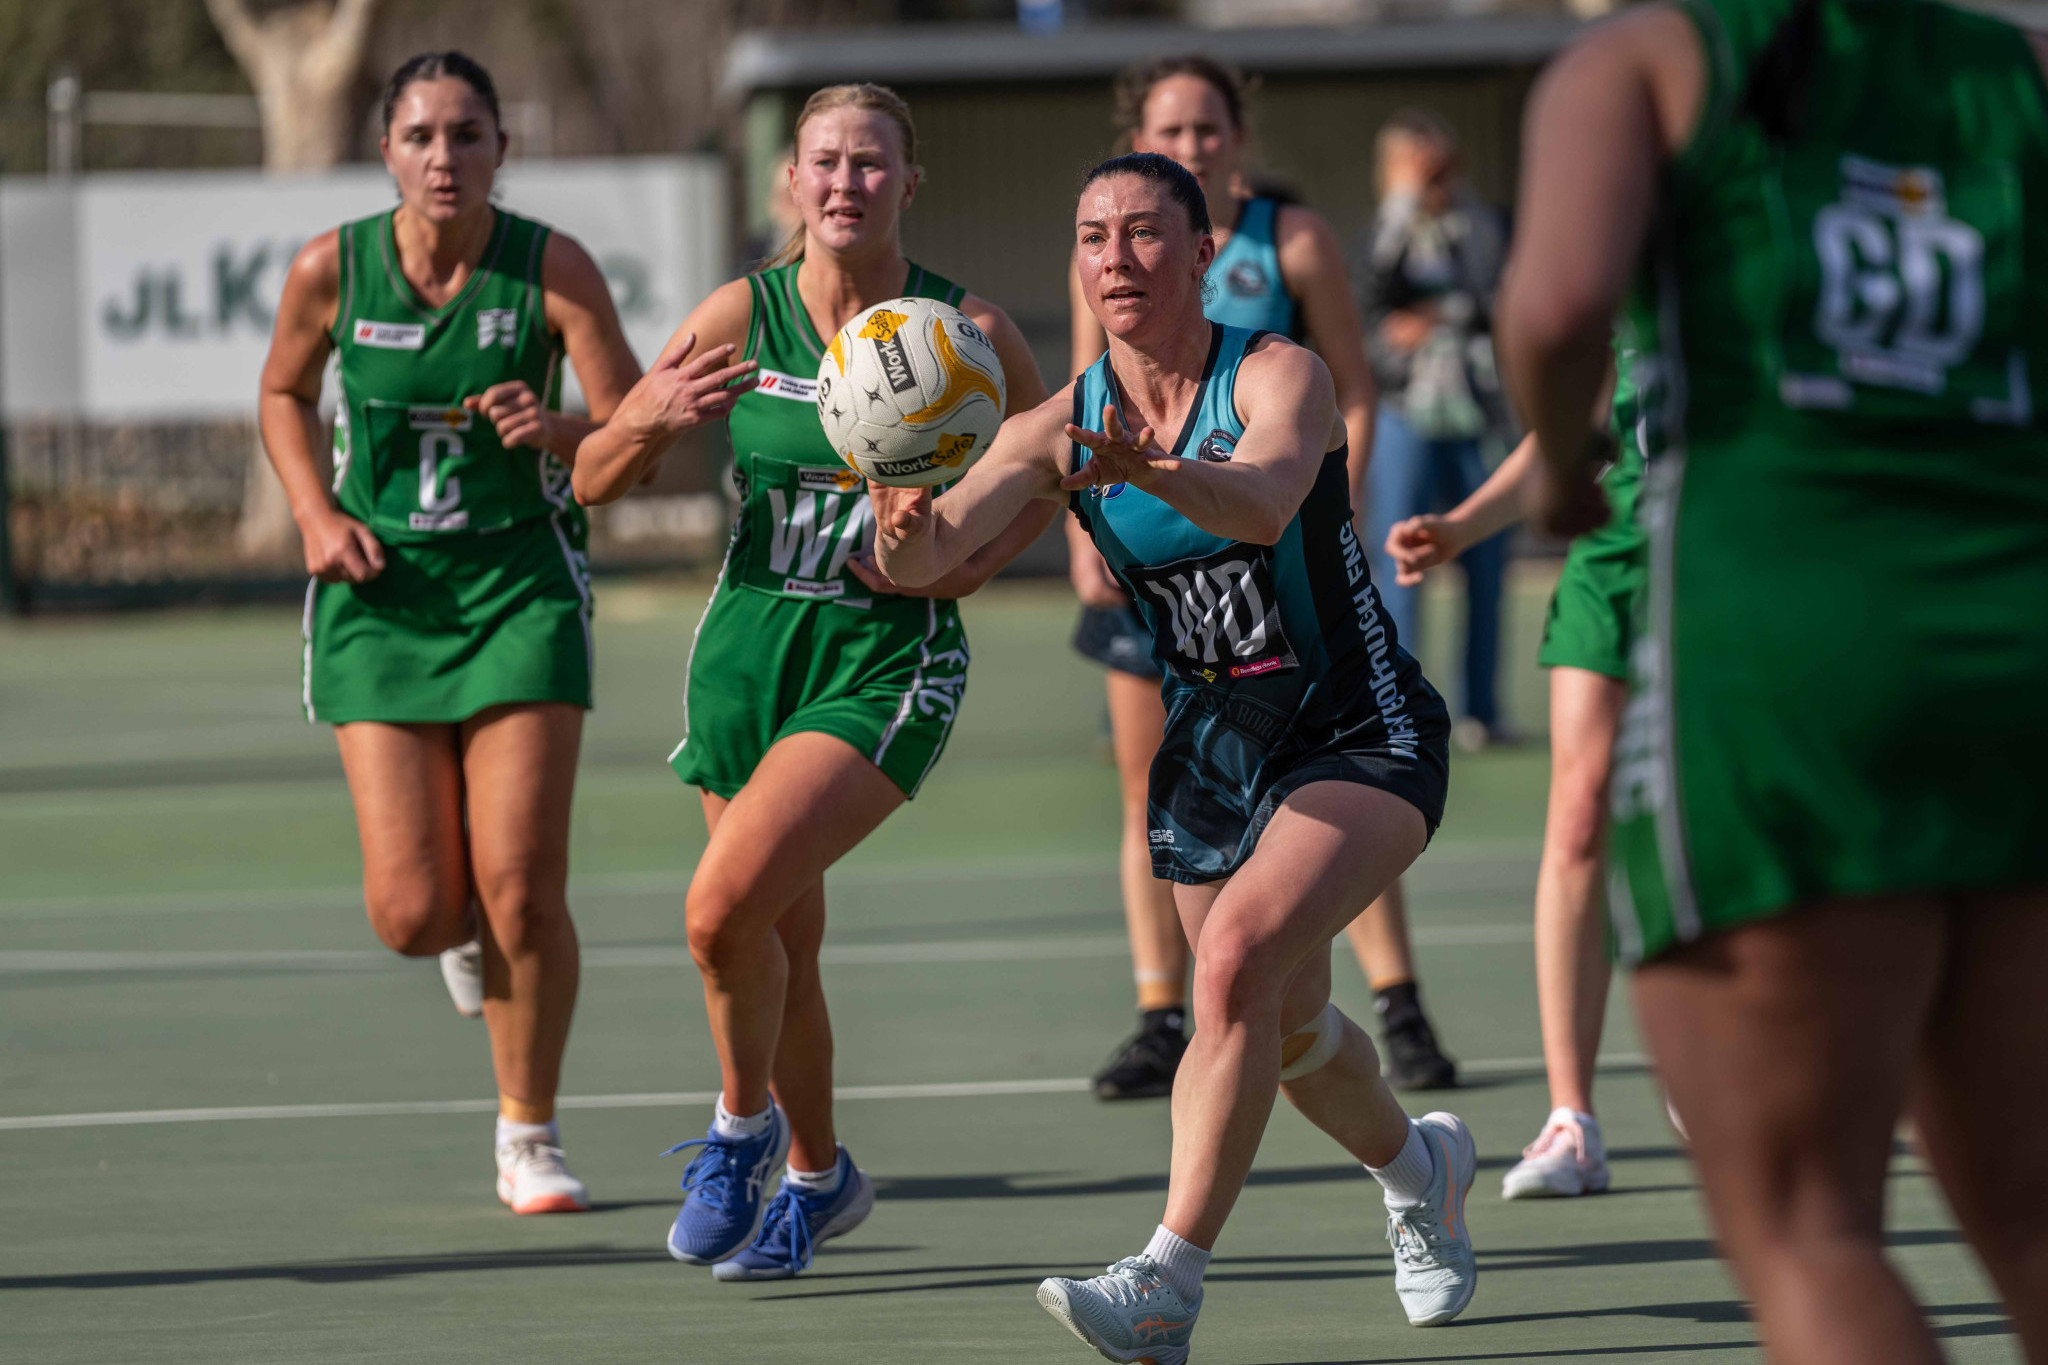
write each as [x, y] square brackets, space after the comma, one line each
[485, 595]
[792, 640]
[1838, 690]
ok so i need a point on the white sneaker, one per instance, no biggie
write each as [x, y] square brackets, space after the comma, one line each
[532, 1178]
[462, 969]
[1434, 1273]
[1129, 1313]
[1567, 1159]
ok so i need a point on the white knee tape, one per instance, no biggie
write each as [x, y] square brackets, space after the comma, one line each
[1326, 1032]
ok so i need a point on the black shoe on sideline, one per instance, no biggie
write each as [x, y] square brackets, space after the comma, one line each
[1143, 1067]
[1415, 1061]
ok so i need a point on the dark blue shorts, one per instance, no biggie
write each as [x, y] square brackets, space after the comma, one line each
[1227, 763]
[1116, 638]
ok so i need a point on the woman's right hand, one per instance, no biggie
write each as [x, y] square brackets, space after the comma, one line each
[678, 393]
[1094, 584]
[340, 549]
[1419, 544]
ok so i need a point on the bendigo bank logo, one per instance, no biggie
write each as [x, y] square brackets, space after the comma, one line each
[881, 328]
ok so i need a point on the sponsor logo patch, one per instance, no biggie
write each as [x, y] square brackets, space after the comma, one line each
[952, 450]
[438, 521]
[451, 418]
[797, 389]
[391, 336]
[828, 480]
[804, 587]
[1162, 836]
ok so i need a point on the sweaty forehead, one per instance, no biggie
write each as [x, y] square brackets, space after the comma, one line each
[850, 127]
[1121, 196]
[444, 99]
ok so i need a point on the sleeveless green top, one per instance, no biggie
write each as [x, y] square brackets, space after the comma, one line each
[1873, 278]
[803, 512]
[410, 461]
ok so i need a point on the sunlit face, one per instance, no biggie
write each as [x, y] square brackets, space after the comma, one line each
[1185, 118]
[1141, 261]
[849, 178]
[443, 148]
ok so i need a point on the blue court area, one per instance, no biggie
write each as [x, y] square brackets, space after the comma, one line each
[234, 1128]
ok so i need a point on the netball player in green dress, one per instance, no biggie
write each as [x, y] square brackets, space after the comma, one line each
[1278, 267]
[819, 694]
[447, 627]
[1824, 221]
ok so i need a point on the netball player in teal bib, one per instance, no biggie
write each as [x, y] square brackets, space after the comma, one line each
[1278, 268]
[1304, 763]
[447, 630]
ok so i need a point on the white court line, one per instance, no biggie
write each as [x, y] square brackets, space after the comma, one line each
[676, 881]
[669, 955]
[942, 1090]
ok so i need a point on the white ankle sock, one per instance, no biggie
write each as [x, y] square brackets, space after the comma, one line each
[730, 1126]
[508, 1131]
[1180, 1261]
[1406, 1178]
[816, 1182]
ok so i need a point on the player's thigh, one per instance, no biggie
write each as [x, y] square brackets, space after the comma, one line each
[1330, 847]
[406, 784]
[1982, 1086]
[810, 800]
[1193, 903]
[1787, 1047]
[1137, 726]
[519, 771]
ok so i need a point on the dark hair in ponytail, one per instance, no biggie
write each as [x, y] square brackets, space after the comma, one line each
[1178, 181]
[1781, 78]
[434, 66]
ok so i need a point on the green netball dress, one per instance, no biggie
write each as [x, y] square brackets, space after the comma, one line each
[1839, 691]
[485, 594]
[791, 640]
[1593, 612]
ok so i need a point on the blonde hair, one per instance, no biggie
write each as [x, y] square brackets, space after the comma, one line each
[875, 99]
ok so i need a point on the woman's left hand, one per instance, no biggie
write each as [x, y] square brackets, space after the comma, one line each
[516, 411]
[1121, 456]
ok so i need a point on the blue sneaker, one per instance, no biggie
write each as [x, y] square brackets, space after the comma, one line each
[798, 1222]
[723, 1187]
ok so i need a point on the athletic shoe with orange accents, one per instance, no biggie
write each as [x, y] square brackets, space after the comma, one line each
[1434, 1272]
[1129, 1313]
[532, 1178]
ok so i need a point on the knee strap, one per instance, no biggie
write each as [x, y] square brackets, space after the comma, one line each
[1311, 1047]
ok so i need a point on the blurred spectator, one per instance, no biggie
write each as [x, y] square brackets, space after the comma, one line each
[1428, 267]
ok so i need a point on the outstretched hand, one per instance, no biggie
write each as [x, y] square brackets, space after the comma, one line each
[678, 393]
[1420, 544]
[1121, 455]
[901, 514]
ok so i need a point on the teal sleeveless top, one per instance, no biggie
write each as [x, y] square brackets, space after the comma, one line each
[1294, 630]
[1249, 290]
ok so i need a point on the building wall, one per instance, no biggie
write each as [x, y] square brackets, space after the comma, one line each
[1002, 163]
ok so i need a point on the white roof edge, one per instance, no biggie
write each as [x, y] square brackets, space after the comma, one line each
[769, 59]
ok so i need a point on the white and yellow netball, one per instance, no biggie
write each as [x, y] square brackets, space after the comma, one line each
[910, 392]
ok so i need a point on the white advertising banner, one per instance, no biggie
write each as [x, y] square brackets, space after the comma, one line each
[177, 273]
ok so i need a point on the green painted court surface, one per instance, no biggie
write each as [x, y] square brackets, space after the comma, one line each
[180, 931]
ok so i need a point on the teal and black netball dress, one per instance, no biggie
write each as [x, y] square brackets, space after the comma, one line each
[1281, 666]
[1245, 289]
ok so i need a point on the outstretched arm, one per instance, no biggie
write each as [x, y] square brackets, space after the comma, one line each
[1289, 407]
[1601, 121]
[919, 538]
